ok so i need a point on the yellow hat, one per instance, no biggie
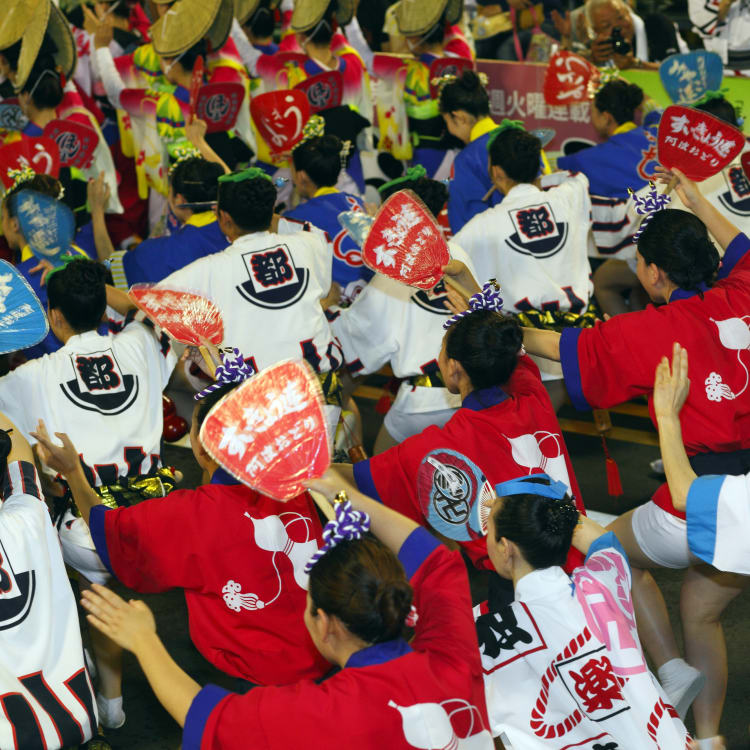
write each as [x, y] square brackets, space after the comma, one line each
[417, 17]
[16, 17]
[189, 21]
[309, 13]
[244, 9]
[48, 19]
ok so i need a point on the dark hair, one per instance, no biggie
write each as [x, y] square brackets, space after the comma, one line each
[465, 93]
[721, 108]
[11, 54]
[540, 526]
[518, 153]
[44, 79]
[78, 291]
[436, 35]
[188, 58]
[677, 242]
[196, 179]
[263, 22]
[40, 183]
[433, 193]
[661, 36]
[209, 401]
[620, 99]
[486, 344]
[322, 33]
[320, 157]
[363, 584]
[250, 203]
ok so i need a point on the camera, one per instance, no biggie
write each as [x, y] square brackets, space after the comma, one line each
[619, 45]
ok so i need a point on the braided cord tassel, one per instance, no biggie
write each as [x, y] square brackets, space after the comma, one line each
[349, 524]
[233, 369]
[648, 205]
[488, 299]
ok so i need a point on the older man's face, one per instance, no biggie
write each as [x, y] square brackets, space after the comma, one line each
[609, 16]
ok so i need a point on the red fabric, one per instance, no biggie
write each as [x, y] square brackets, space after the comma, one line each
[201, 540]
[354, 708]
[456, 44]
[139, 21]
[618, 359]
[484, 437]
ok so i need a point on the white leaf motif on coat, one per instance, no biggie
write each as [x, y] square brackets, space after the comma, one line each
[271, 535]
[734, 334]
[428, 726]
[527, 452]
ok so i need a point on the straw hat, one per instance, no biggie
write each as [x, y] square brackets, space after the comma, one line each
[417, 17]
[50, 20]
[16, 17]
[308, 13]
[189, 21]
[244, 9]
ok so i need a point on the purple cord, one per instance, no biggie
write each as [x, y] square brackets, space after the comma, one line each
[348, 524]
[488, 299]
[233, 369]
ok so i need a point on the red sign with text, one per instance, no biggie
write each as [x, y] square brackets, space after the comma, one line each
[405, 243]
[270, 433]
[280, 117]
[40, 154]
[323, 91]
[218, 104]
[567, 79]
[76, 142]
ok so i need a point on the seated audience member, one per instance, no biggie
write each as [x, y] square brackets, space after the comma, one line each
[391, 323]
[702, 306]
[426, 692]
[534, 243]
[245, 600]
[192, 181]
[505, 426]
[40, 641]
[106, 391]
[568, 645]
[316, 165]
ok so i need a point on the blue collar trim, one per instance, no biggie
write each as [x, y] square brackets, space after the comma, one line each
[379, 653]
[485, 398]
[222, 477]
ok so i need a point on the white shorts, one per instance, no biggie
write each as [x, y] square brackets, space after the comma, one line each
[415, 409]
[661, 536]
[79, 552]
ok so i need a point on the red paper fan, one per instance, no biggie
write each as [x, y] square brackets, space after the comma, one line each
[185, 316]
[745, 161]
[270, 433]
[567, 79]
[697, 143]
[405, 242]
[41, 154]
[280, 117]
[76, 142]
[196, 82]
[323, 91]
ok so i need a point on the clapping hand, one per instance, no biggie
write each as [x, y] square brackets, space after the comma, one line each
[63, 458]
[671, 386]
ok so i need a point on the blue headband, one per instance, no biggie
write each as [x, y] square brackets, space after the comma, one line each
[529, 486]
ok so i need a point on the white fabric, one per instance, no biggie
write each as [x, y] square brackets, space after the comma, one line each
[79, 552]
[641, 41]
[248, 54]
[104, 391]
[357, 40]
[535, 270]
[105, 69]
[39, 629]
[416, 409]
[572, 656]
[265, 329]
[733, 35]
[661, 536]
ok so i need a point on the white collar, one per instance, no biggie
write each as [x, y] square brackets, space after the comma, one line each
[543, 584]
[521, 191]
[86, 340]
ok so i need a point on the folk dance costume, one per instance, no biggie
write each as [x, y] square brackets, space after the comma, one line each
[268, 287]
[471, 187]
[323, 210]
[156, 258]
[392, 323]
[570, 647]
[614, 362]
[240, 558]
[94, 388]
[423, 694]
[48, 700]
[626, 160]
[496, 435]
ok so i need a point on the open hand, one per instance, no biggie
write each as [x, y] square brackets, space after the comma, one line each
[128, 624]
[689, 192]
[329, 485]
[97, 192]
[671, 387]
[101, 27]
[43, 267]
[60, 458]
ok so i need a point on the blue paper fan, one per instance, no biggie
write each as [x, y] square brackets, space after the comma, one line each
[357, 223]
[47, 224]
[687, 77]
[23, 322]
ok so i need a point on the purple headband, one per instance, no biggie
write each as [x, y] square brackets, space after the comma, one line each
[647, 206]
[233, 369]
[349, 524]
[488, 299]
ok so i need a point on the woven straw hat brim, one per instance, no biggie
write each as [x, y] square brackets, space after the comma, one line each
[189, 21]
[56, 25]
[307, 13]
[417, 17]
[17, 15]
[162, 2]
[243, 9]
